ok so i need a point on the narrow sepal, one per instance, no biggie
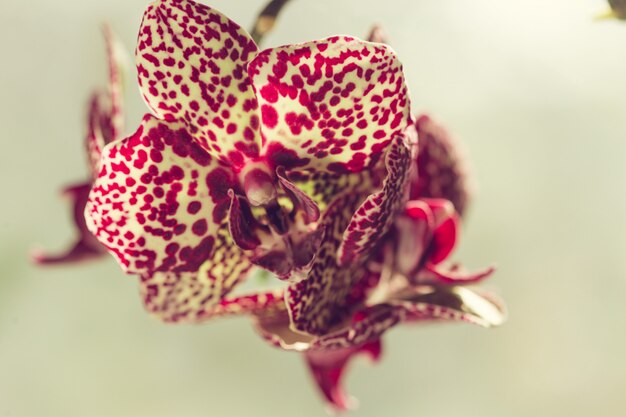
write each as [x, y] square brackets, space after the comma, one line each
[373, 219]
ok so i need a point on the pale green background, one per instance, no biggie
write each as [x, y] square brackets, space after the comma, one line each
[535, 89]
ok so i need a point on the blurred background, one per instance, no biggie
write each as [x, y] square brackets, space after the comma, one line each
[535, 90]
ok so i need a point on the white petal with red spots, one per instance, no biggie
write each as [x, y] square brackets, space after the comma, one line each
[191, 64]
[334, 104]
[159, 200]
[195, 296]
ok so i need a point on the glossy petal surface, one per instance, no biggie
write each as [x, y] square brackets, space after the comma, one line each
[159, 200]
[376, 215]
[441, 167]
[332, 105]
[191, 66]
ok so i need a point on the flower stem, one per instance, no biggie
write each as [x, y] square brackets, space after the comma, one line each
[266, 19]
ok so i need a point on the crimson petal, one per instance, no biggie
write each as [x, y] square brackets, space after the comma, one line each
[442, 171]
[86, 246]
[328, 367]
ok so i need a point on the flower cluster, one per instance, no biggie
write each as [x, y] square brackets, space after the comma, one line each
[302, 160]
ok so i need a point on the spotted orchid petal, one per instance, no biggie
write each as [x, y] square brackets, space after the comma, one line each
[324, 187]
[369, 323]
[321, 299]
[373, 219]
[328, 367]
[159, 200]
[86, 246]
[327, 355]
[442, 171]
[330, 105]
[191, 63]
[194, 296]
[268, 304]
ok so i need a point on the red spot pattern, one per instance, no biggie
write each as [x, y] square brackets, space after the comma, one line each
[191, 65]
[320, 98]
[156, 213]
[327, 106]
[197, 295]
[376, 215]
[321, 300]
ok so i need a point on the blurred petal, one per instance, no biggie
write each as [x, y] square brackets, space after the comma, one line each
[105, 119]
[376, 215]
[191, 66]
[618, 8]
[443, 230]
[116, 62]
[452, 303]
[456, 275]
[328, 366]
[86, 246]
[441, 167]
[377, 34]
[320, 300]
[197, 295]
[159, 200]
[266, 304]
[95, 141]
[331, 105]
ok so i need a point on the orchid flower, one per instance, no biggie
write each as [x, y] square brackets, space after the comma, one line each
[105, 123]
[406, 279]
[242, 160]
[302, 160]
